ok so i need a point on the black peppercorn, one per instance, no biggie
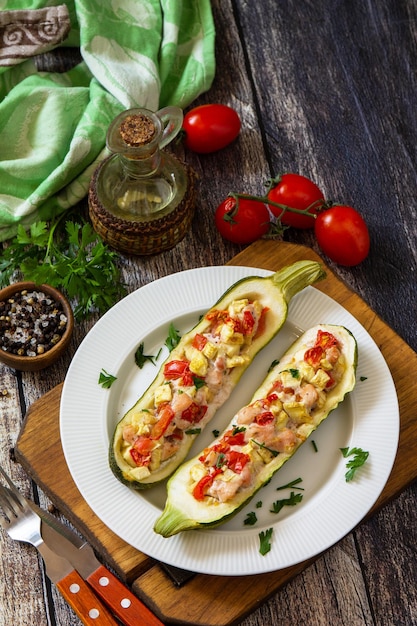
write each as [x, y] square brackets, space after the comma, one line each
[31, 323]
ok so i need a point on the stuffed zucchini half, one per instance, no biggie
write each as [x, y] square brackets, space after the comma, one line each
[309, 381]
[154, 436]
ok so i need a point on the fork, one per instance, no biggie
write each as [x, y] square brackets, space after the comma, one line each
[22, 524]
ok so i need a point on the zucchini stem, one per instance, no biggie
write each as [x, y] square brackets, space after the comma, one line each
[293, 278]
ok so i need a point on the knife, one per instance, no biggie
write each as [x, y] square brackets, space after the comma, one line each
[122, 602]
[76, 592]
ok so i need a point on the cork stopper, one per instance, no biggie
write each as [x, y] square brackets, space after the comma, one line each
[137, 130]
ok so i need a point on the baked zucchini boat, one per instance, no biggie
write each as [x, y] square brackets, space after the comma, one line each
[154, 436]
[299, 392]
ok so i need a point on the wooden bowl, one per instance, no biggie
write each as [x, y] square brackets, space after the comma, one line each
[44, 354]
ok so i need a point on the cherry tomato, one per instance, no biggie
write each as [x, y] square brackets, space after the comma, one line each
[297, 192]
[342, 234]
[249, 222]
[210, 127]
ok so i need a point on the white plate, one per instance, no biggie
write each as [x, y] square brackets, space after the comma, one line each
[331, 507]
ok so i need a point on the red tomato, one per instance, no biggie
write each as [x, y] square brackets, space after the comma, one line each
[297, 192]
[194, 413]
[165, 417]
[175, 369]
[246, 224]
[236, 461]
[342, 234]
[199, 342]
[205, 483]
[210, 127]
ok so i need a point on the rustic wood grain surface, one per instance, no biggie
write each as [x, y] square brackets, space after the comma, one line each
[328, 90]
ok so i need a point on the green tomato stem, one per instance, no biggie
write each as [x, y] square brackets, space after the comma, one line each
[266, 200]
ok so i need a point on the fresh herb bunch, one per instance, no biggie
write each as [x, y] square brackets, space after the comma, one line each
[70, 256]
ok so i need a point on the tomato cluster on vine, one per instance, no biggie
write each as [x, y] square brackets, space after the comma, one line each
[295, 201]
[291, 200]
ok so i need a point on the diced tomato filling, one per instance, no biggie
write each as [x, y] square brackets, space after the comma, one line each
[271, 398]
[264, 418]
[314, 355]
[204, 483]
[277, 386]
[217, 316]
[175, 370]
[165, 417]
[326, 339]
[220, 447]
[236, 461]
[248, 323]
[237, 439]
[194, 413]
[244, 325]
[141, 451]
[199, 342]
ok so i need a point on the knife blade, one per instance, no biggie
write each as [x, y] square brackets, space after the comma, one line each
[122, 602]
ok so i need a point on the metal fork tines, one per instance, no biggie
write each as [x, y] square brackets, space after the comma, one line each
[22, 524]
[19, 520]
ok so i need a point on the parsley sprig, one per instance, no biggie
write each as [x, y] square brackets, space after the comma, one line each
[68, 255]
[105, 379]
[265, 541]
[141, 357]
[294, 499]
[173, 338]
[359, 458]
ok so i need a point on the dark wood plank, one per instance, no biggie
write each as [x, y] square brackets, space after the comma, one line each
[327, 90]
[336, 89]
[152, 585]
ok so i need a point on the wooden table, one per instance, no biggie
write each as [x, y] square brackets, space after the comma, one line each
[328, 90]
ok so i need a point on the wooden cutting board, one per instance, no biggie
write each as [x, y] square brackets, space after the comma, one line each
[214, 600]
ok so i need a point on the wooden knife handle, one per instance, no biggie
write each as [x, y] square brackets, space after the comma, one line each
[123, 603]
[84, 601]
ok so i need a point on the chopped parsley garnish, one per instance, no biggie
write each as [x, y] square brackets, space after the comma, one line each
[362, 378]
[198, 382]
[292, 484]
[238, 429]
[262, 445]
[193, 431]
[216, 433]
[141, 358]
[265, 541]
[273, 364]
[359, 458]
[173, 338]
[294, 499]
[250, 519]
[259, 504]
[105, 379]
[221, 460]
[313, 443]
[294, 372]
